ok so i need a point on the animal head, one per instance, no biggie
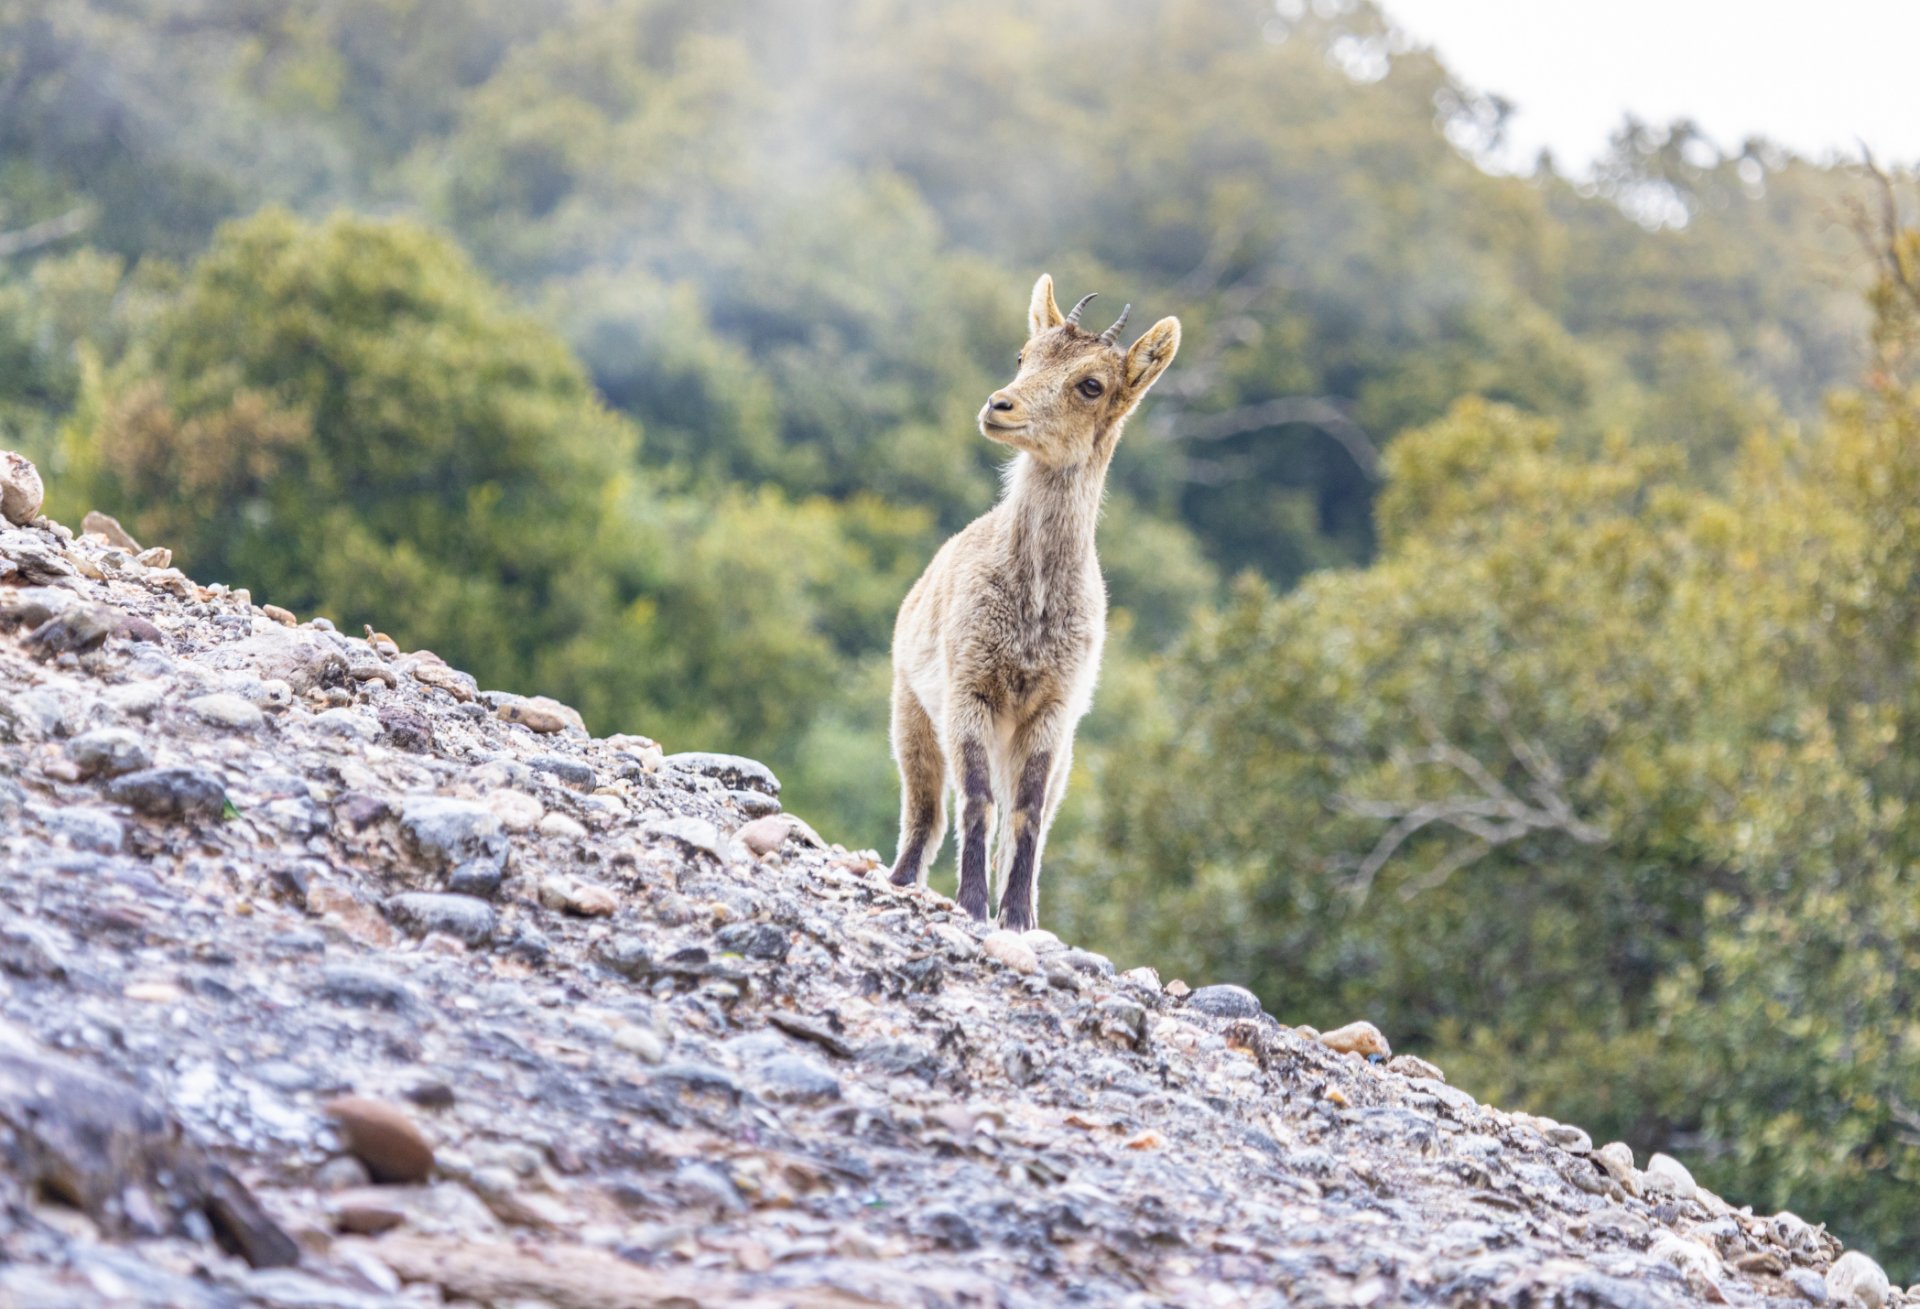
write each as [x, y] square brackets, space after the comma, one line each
[1074, 388]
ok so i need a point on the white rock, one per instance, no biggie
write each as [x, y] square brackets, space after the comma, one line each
[1570, 1138]
[1616, 1161]
[1414, 1068]
[229, 711]
[136, 699]
[1041, 941]
[642, 1043]
[1688, 1256]
[1144, 975]
[1794, 1234]
[562, 827]
[1667, 1176]
[20, 489]
[1009, 949]
[591, 900]
[346, 722]
[516, 810]
[1855, 1279]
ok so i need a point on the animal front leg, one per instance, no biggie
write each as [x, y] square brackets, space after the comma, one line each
[976, 822]
[1037, 793]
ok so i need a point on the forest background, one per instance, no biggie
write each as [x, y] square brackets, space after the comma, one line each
[1517, 578]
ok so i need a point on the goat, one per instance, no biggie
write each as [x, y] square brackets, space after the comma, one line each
[997, 646]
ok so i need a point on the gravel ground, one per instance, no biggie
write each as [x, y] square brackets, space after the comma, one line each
[329, 979]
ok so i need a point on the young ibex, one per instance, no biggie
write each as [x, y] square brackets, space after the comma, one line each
[997, 647]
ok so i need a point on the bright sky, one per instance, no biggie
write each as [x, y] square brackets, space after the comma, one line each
[1814, 77]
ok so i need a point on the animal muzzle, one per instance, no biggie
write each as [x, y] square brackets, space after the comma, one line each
[1002, 415]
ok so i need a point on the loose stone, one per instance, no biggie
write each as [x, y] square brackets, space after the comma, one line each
[642, 1043]
[383, 1137]
[184, 793]
[367, 1212]
[568, 772]
[516, 810]
[108, 751]
[763, 836]
[451, 833]
[406, 728]
[735, 772]
[349, 723]
[1361, 1038]
[539, 714]
[1007, 948]
[1616, 1160]
[1667, 1176]
[228, 711]
[1855, 1279]
[562, 828]
[1569, 1138]
[791, 1079]
[1412, 1066]
[301, 658]
[463, 917]
[1225, 1001]
[21, 491]
[108, 527]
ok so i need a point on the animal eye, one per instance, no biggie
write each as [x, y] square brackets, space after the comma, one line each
[1020, 358]
[1091, 388]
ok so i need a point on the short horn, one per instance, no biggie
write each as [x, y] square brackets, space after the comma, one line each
[1112, 335]
[1074, 317]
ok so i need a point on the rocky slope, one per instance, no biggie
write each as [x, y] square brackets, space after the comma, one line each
[328, 979]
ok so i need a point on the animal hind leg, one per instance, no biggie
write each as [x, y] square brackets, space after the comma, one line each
[923, 779]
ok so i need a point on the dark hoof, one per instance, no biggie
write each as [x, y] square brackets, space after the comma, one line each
[976, 906]
[1017, 920]
[903, 876]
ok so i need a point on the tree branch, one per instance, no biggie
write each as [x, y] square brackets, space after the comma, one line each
[1326, 413]
[46, 232]
[1491, 814]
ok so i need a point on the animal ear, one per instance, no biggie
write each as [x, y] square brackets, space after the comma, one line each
[1043, 313]
[1149, 357]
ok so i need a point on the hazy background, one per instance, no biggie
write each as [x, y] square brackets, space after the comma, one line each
[1516, 578]
[1820, 85]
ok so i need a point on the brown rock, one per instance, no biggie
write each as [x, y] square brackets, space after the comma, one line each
[586, 899]
[367, 1212]
[132, 627]
[107, 525]
[1360, 1038]
[383, 1137]
[435, 673]
[763, 836]
[284, 617]
[541, 714]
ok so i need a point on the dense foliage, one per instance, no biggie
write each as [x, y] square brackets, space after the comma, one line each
[1561, 715]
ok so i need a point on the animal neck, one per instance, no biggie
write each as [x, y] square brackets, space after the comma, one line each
[1052, 513]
